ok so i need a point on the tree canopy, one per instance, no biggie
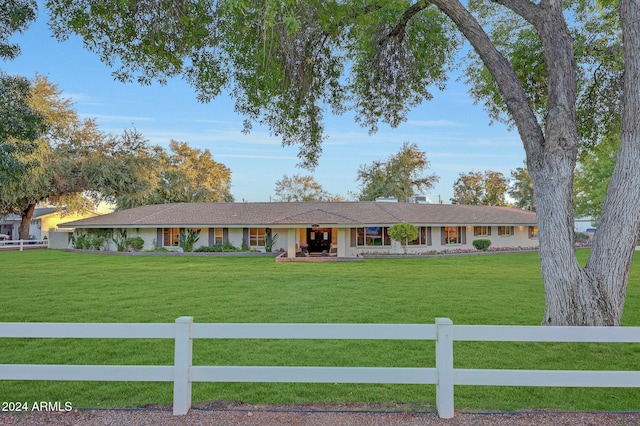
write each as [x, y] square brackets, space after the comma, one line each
[401, 176]
[71, 159]
[593, 176]
[488, 188]
[182, 175]
[285, 63]
[15, 17]
[521, 189]
[20, 125]
[300, 188]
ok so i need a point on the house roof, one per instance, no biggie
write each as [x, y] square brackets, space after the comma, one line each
[37, 213]
[304, 214]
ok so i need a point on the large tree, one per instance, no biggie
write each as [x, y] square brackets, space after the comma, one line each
[521, 189]
[401, 176]
[20, 126]
[488, 188]
[71, 159]
[300, 188]
[549, 67]
[595, 167]
[468, 188]
[183, 175]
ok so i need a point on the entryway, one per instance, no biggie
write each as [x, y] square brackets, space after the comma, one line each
[319, 240]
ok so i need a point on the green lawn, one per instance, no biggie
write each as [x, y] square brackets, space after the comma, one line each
[54, 286]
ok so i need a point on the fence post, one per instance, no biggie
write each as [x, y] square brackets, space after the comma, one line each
[183, 359]
[444, 366]
[21, 245]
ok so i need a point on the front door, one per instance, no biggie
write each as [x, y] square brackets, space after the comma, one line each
[319, 239]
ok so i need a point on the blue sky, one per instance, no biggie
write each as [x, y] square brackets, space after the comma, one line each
[454, 133]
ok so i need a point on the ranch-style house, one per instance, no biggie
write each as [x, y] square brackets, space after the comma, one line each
[342, 229]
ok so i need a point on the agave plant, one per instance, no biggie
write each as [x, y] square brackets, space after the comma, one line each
[188, 238]
[269, 241]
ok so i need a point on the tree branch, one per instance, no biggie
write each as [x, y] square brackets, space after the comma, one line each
[398, 30]
[512, 91]
[524, 8]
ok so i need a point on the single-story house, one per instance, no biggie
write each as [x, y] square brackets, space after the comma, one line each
[344, 229]
[44, 220]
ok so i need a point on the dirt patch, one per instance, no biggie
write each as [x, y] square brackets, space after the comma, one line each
[352, 414]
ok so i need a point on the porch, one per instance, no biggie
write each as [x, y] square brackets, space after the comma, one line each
[315, 258]
[317, 242]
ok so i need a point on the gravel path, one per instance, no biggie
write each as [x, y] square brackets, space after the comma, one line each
[233, 414]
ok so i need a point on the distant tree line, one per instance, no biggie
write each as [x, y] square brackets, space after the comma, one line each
[491, 188]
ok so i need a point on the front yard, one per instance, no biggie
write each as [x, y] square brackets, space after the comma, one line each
[54, 286]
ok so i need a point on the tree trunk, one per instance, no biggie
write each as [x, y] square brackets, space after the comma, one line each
[594, 295]
[607, 270]
[25, 222]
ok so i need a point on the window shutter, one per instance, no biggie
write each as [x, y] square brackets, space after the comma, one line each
[489, 230]
[212, 236]
[245, 236]
[159, 238]
[463, 233]
[475, 231]
[513, 230]
[429, 236]
[499, 230]
[354, 237]
[225, 235]
[443, 236]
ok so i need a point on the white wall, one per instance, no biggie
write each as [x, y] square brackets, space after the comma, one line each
[148, 235]
[282, 242]
[235, 237]
[59, 239]
[520, 238]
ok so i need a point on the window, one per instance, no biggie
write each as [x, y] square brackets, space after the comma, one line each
[423, 238]
[256, 237]
[218, 236]
[373, 236]
[505, 231]
[481, 231]
[533, 232]
[453, 235]
[170, 237]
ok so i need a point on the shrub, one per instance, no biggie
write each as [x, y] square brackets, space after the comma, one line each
[227, 246]
[158, 250]
[216, 248]
[482, 245]
[92, 239]
[81, 242]
[135, 243]
[96, 242]
[403, 232]
[582, 237]
[210, 249]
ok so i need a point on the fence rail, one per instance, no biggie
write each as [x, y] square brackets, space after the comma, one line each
[23, 244]
[444, 376]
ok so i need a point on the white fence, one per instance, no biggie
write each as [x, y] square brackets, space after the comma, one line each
[444, 376]
[22, 244]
